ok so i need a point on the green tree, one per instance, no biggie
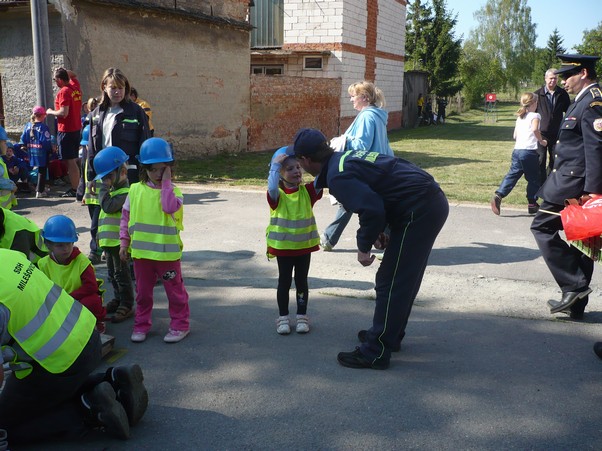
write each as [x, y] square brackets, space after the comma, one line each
[481, 72]
[445, 51]
[432, 46]
[418, 20]
[592, 45]
[546, 58]
[507, 32]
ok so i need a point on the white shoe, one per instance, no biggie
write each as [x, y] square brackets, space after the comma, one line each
[138, 337]
[302, 324]
[41, 194]
[282, 325]
[326, 246]
[174, 336]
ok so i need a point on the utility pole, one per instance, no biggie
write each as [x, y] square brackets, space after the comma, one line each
[41, 55]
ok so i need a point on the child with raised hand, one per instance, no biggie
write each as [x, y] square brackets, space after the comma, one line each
[151, 222]
[292, 235]
[69, 268]
[111, 168]
[36, 136]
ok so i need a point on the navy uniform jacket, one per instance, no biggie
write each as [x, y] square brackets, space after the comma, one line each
[379, 188]
[578, 156]
[551, 117]
[129, 132]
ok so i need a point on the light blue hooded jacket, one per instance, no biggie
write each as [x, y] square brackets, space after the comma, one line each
[368, 131]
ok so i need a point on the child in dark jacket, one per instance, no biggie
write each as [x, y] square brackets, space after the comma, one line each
[36, 136]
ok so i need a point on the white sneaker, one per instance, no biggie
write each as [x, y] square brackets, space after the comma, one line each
[302, 324]
[174, 336]
[138, 337]
[326, 246]
[41, 194]
[282, 325]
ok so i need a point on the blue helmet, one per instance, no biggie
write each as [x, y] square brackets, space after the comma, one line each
[155, 150]
[288, 150]
[85, 136]
[59, 229]
[107, 160]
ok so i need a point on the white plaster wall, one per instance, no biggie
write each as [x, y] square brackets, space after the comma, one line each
[391, 27]
[315, 22]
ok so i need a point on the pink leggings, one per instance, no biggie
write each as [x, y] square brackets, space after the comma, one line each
[170, 273]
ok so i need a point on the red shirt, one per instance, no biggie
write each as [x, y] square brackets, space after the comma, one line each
[70, 96]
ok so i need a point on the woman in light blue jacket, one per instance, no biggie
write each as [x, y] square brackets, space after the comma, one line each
[368, 131]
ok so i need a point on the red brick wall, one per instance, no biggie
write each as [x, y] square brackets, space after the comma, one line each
[281, 105]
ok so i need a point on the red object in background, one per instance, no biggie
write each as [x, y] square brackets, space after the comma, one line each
[490, 97]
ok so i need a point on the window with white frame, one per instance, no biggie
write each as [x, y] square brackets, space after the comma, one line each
[312, 63]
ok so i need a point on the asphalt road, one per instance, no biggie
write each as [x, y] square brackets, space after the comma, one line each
[483, 365]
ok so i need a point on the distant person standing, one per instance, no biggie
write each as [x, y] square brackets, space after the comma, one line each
[117, 121]
[368, 131]
[146, 107]
[553, 101]
[420, 104]
[68, 105]
[441, 105]
[577, 173]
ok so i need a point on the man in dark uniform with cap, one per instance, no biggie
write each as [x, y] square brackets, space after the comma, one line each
[577, 172]
[400, 207]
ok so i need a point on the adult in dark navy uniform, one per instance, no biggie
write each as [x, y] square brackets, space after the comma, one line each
[577, 172]
[552, 103]
[400, 207]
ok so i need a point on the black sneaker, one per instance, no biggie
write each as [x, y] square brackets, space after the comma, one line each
[131, 392]
[496, 202]
[356, 359]
[362, 336]
[69, 193]
[533, 208]
[109, 413]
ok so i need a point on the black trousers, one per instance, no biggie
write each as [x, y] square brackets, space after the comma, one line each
[120, 276]
[286, 265]
[571, 269]
[400, 274]
[546, 158]
[45, 405]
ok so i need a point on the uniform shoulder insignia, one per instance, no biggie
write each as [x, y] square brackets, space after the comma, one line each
[598, 125]
[596, 103]
[595, 92]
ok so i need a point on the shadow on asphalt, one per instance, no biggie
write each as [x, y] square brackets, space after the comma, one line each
[481, 253]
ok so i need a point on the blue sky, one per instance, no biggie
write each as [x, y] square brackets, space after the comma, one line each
[571, 17]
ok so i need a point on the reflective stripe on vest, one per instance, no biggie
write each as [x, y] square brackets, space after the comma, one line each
[14, 223]
[90, 198]
[66, 276]
[154, 234]
[292, 224]
[48, 324]
[108, 223]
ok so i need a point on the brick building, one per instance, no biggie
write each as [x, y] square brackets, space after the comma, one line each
[310, 50]
[188, 58]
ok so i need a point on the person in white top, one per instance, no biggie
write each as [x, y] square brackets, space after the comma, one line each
[524, 157]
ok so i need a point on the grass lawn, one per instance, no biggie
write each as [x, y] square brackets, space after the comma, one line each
[467, 156]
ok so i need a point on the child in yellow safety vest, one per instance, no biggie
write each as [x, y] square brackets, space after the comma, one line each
[69, 268]
[110, 166]
[292, 235]
[151, 221]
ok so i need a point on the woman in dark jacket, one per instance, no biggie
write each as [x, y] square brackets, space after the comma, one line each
[117, 121]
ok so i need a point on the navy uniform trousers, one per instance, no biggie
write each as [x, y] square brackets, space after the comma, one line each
[400, 274]
[571, 269]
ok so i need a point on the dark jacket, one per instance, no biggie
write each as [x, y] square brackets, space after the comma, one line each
[578, 161]
[129, 132]
[551, 117]
[381, 189]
